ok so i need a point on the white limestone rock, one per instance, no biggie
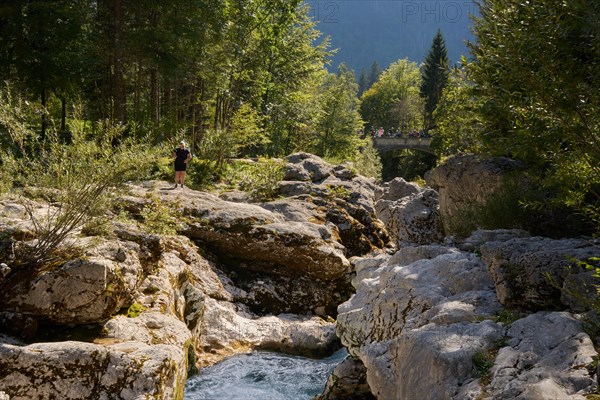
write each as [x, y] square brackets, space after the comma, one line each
[305, 166]
[546, 358]
[149, 328]
[396, 189]
[410, 213]
[433, 362]
[521, 269]
[396, 297]
[77, 370]
[417, 319]
[81, 291]
[224, 330]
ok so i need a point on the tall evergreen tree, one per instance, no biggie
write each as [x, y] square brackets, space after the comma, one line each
[434, 74]
[373, 74]
[362, 82]
[41, 48]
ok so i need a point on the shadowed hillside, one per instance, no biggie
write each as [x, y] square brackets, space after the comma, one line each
[384, 31]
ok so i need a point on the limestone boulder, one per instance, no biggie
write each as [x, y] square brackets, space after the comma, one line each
[451, 288]
[265, 240]
[226, 329]
[290, 254]
[409, 213]
[149, 328]
[352, 225]
[433, 362]
[80, 291]
[344, 171]
[547, 357]
[529, 273]
[306, 167]
[347, 381]
[346, 206]
[466, 180]
[112, 275]
[78, 370]
[396, 189]
[417, 319]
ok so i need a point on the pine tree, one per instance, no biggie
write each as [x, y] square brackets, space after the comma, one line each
[434, 74]
[362, 82]
[373, 74]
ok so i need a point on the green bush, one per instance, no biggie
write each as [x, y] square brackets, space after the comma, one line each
[161, 217]
[8, 171]
[202, 174]
[367, 162]
[77, 175]
[259, 179]
[521, 202]
[483, 362]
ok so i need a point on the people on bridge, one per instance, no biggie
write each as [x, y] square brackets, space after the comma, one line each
[399, 133]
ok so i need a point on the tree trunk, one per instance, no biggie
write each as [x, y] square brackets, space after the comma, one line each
[119, 82]
[217, 108]
[44, 100]
[200, 110]
[154, 95]
[63, 114]
[193, 144]
[137, 91]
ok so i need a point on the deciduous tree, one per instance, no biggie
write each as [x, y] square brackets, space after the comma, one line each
[394, 101]
[537, 70]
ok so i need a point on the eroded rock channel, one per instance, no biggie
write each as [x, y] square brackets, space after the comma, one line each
[336, 261]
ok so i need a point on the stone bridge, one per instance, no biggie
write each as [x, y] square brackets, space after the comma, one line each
[384, 144]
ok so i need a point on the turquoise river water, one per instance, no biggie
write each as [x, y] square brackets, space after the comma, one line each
[264, 376]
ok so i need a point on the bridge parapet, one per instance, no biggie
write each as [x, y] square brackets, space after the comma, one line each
[391, 143]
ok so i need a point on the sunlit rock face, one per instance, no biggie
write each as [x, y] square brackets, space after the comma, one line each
[539, 273]
[417, 319]
[410, 213]
[141, 309]
[426, 323]
[546, 357]
[77, 370]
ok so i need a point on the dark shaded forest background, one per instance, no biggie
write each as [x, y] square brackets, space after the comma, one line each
[256, 78]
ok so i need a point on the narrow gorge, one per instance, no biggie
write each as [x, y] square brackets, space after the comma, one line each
[335, 262]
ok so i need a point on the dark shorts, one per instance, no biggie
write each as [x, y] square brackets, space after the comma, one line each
[180, 166]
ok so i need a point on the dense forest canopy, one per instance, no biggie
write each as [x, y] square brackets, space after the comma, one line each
[196, 66]
[242, 78]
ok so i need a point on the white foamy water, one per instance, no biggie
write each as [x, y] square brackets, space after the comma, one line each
[264, 376]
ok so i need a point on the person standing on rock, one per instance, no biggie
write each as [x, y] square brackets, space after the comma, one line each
[181, 156]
